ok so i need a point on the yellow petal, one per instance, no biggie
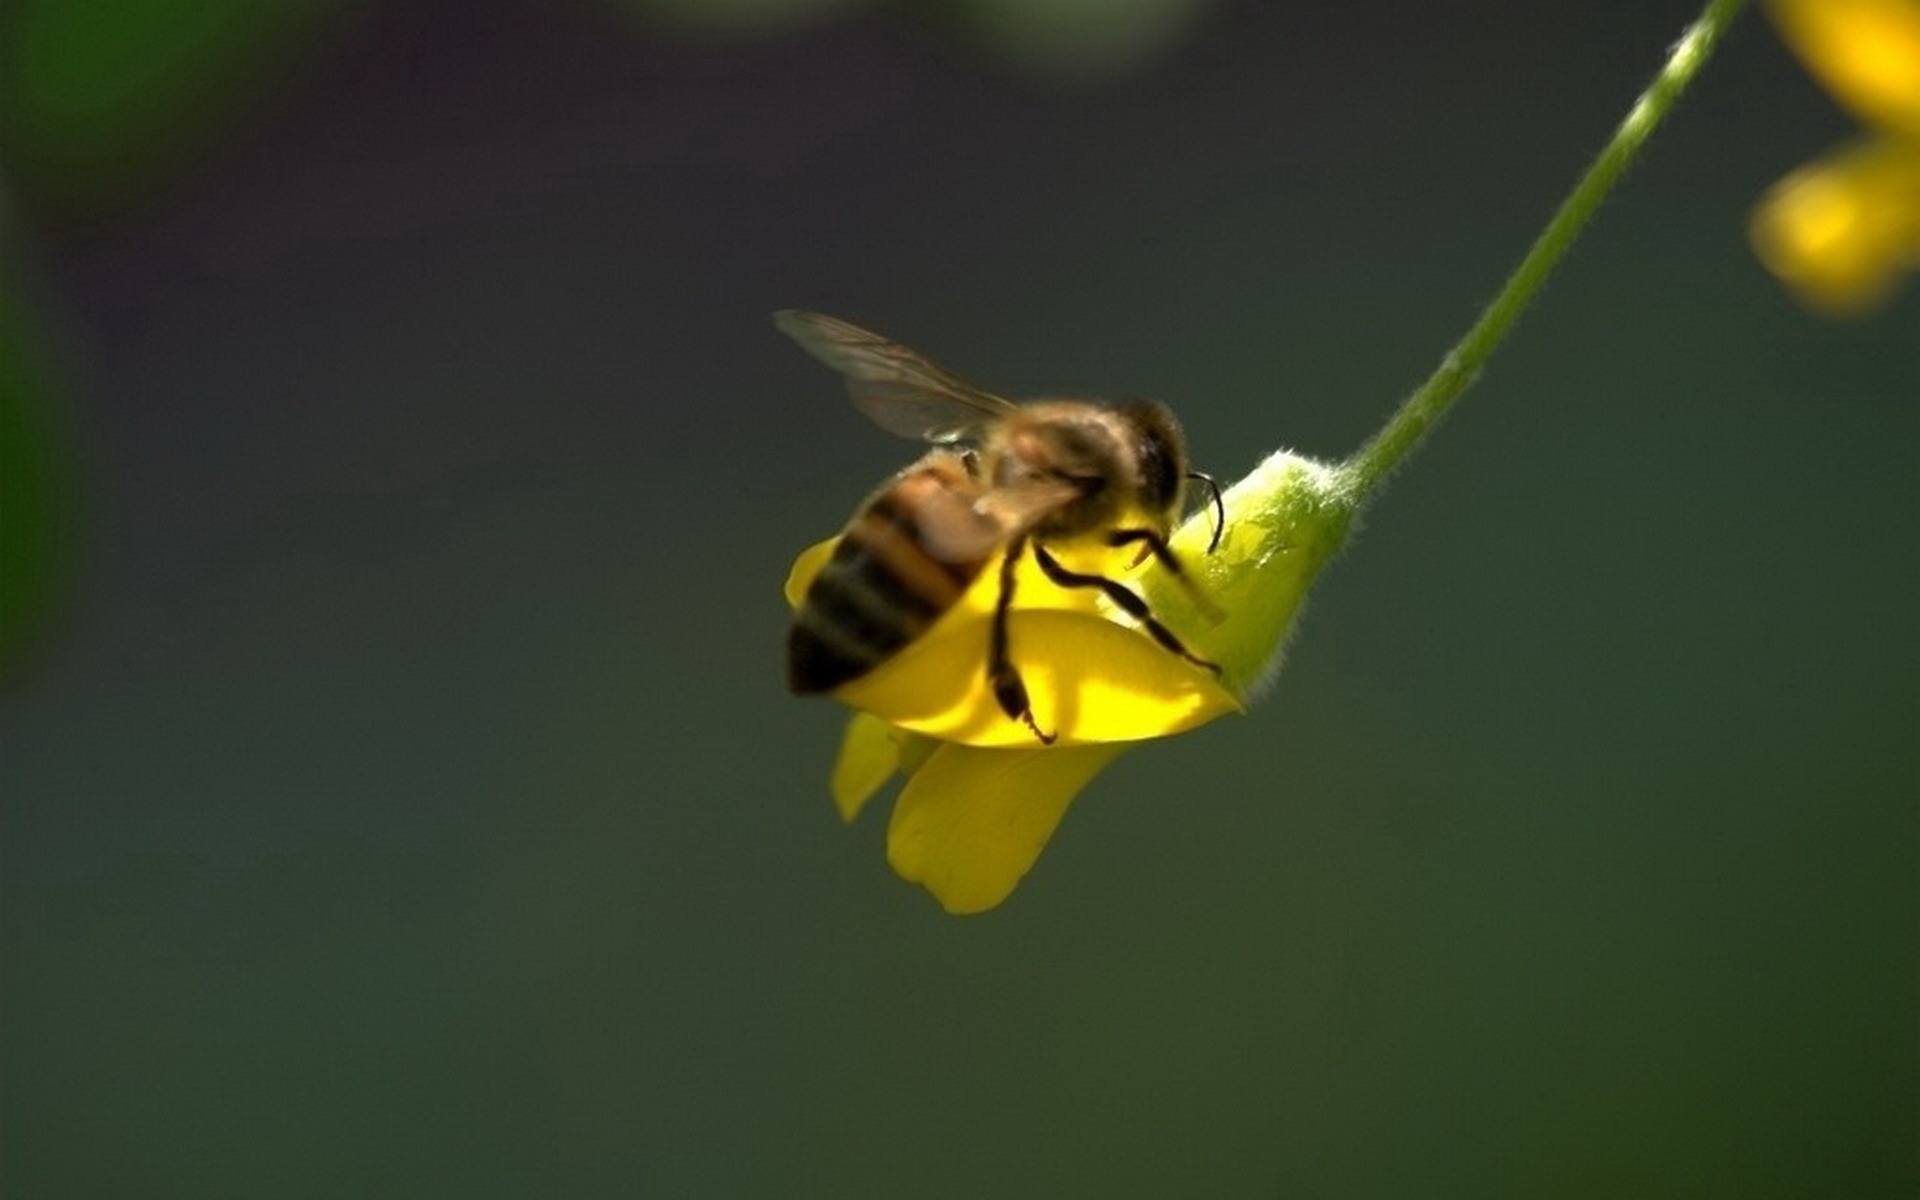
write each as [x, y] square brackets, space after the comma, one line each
[1090, 677]
[868, 758]
[1866, 52]
[1841, 231]
[914, 749]
[1088, 680]
[800, 575]
[971, 822]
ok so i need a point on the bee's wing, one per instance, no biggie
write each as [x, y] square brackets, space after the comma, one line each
[968, 532]
[901, 390]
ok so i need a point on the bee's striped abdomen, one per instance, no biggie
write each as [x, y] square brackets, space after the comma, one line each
[880, 590]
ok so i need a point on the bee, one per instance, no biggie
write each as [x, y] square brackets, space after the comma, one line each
[1000, 478]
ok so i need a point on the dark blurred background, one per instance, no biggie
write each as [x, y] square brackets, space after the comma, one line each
[399, 795]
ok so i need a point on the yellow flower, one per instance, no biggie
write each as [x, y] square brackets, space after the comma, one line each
[982, 795]
[1840, 232]
[969, 823]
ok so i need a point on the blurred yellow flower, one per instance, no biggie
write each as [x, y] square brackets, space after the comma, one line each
[982, 795]
[1840, 232]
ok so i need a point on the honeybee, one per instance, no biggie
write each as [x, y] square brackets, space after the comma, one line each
[1000, 477]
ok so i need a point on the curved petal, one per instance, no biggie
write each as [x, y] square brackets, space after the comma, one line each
[1088, 680]
[1089, 677]
[1866, 52]
[800, 574]
[868, 758]
[1841, 231]
[914, 749]
[970, 823]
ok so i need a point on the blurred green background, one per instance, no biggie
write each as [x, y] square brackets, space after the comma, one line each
[397, 791]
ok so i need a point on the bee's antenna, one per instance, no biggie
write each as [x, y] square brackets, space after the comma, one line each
[1219, 507]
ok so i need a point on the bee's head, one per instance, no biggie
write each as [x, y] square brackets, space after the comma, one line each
[1161, 451]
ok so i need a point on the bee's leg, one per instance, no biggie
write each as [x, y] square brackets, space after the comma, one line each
[1163, 554]
[1128, 602]
[1156, 545]
[1008, 688]
[970, 459]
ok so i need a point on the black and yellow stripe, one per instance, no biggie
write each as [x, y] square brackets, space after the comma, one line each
[880, 590]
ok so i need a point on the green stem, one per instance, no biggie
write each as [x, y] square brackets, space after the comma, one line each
[1369, 467]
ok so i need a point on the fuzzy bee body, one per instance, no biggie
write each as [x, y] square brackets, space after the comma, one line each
[1001, 478]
